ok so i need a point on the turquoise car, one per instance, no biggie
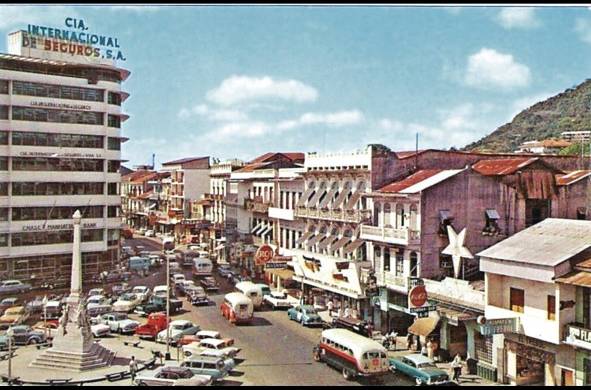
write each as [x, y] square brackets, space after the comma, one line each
[304, 314]
[421, 368]
[216, 367]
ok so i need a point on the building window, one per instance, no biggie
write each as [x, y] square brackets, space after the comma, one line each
[42, 189]
[57, 116]
[56, 164]
[59, 140]
[57, 91]
[113, 166]
[445, 219]
[386, 259]
[4, 189]
[551, 307]
[114, 143]
[49, 213]
[114, 98]
[3, 240]
[112, 211]
[3, 112]
[4, 214]
[113, 121]
[399, 262]
[414, 264]
[112, 189]
[113, 237]
[3, 163]
[4, 137]
[492, 218]
[4, 87]
[516, 300]
[582, 213]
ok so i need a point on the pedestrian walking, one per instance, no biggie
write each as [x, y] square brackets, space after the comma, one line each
[133, 368]
[347, 312]
[330, 306]
[409, 340]
[430, 349]
[456, 366]
[424, 350]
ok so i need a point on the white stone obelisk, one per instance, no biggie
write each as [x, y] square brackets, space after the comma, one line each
[73, 347]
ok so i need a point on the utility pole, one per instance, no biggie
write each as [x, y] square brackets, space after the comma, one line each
[167, 356]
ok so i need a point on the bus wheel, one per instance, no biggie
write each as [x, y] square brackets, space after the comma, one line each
[348, 375]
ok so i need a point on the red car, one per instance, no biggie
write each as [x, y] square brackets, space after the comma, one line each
[155, 324]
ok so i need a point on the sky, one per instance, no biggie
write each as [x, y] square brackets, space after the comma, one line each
[240, 81]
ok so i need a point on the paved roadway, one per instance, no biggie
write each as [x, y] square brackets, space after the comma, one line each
[275, 350]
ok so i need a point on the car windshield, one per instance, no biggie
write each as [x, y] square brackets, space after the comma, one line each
[127, 297]
[427, 365]
[139, 289]
[180, 326]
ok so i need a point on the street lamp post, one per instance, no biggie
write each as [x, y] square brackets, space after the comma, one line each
[167, 356]
[45, 315]
[9, 334]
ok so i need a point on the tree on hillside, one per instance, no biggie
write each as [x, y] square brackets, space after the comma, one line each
[575, 149]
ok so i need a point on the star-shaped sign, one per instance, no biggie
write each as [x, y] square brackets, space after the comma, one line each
[456, 249]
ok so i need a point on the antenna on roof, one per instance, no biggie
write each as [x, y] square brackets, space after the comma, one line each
[153, 161]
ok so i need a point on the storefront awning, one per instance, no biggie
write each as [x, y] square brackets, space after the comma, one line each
[328, 197]
[456, 315]
[256, 227]
[352, 247]
[325, 241]
[580, 278]
[423, 326]
[282, 273]
[304, 237]
[342, 196]
[353, 200]
[340, 243]
[313, 240]
[267, 230]
[304, 197]
[260, 229]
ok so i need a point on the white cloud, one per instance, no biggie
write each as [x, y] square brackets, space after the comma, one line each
[213, 114]
[19, 16]
[583, 28]
[490, 69]
[236, 89]
[240, 129]
[518, 17]
[334, 119]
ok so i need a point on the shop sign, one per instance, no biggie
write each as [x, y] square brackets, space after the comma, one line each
[579, 337]
[263, 255]
[422, 309]
[276, 265]
[61, 105]
[59, 226]
[498, 326]
[60, 155]
[417, 296]
[74, 40]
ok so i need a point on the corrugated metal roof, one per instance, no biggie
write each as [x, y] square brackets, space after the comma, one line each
[184, 160]
[419, 181]
[579, 278]
[501, 167]
[571, 177]
[547, 243]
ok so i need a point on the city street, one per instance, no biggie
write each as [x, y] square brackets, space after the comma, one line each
[275, 350]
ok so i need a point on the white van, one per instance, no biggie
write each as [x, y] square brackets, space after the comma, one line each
[237, 308]
[252, 291]
[202, 267]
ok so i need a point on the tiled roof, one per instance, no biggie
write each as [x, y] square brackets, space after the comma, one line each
[184, 160]
[409, 181]
[571, 177]
[501, 167]
[137, 176]
[269, 158]
[145, 195]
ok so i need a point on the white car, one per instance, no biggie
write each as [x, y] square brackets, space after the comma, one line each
[97, 300]
[96, 291]
[143, 292]
[178, 329]
[126, 303]
[100, 330]
[177, 279]
[118, 322]
[279, 300]
[208, 334]
[150, 233]
[160, 291]
[172, 376]
[212, 347]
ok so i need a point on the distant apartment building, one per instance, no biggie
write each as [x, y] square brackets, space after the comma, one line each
[547, 146]
[576, 136]
[60, 150]
[135, 192]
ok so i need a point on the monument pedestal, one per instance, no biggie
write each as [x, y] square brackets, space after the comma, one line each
[73, 348]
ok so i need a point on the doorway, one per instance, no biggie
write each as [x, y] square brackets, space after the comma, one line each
[567, 377]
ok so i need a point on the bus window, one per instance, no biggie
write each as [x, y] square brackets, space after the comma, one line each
[242, 307]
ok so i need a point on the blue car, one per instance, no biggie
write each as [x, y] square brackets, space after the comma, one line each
[421, 368]
[216, 367]
[304, 314]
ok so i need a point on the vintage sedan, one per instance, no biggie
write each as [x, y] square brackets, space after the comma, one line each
[143, 292]
[216, 367]
[178, 329]
[421, 368]
[210, 284]
[223, 348]
[197, 296]
[118, 322]
[14, 287]
[127, 302]
[14, 316]
[304, 314]
[7, 303]
[172, 376]
[23, 335]
[100, 330]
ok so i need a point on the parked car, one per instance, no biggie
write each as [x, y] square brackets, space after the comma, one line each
[172, 376]
[201, 335]
[48, 328]
[241, 278]
[138, 264]
[33, 306]
[419, 367]
[158, 304]
[23, 335]
[150, 233]
[118, 322]
[14, 287]
[210, 284]
[305, 314]
[215, 367]
[143, 292]
[279, 300]
[96, 291]
[126, 303]
[223, 348]
[177, 279]
[197, 296]
[97, 310]
[183, 285]
[96, 300]
[8, 303]
[156, 323]
[53, 309]
[100, 330]
[14, 316]
[354, 325]
[120, 288]
[178, 329]
[224, 269]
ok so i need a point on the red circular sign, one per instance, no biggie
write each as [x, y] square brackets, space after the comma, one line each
[263, 255]
[417, 296]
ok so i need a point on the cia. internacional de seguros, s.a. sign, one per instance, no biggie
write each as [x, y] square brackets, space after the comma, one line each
[74, 40]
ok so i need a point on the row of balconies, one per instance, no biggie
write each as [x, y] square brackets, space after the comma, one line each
[257, 205]
[353, 216]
